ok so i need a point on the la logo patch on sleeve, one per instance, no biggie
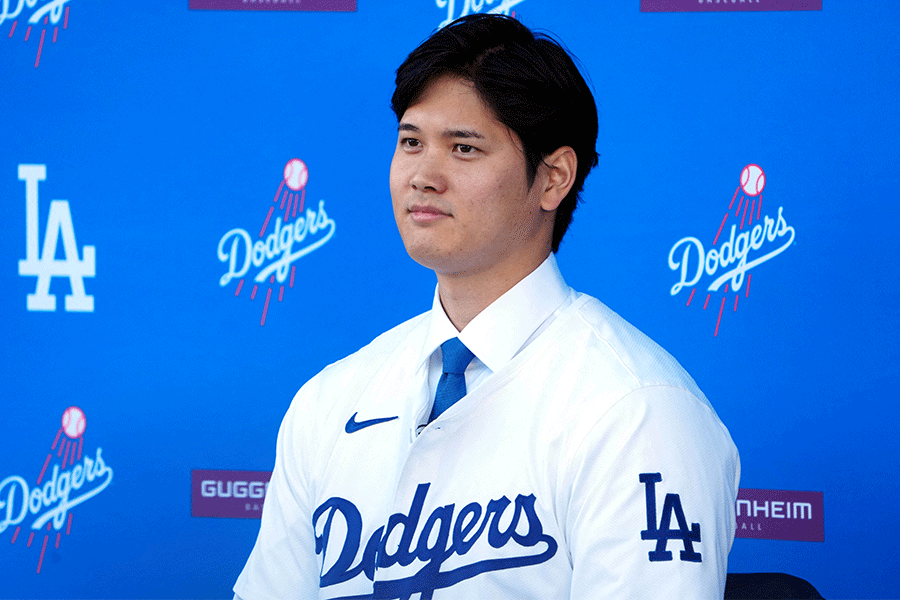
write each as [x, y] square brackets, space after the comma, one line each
[663, 533]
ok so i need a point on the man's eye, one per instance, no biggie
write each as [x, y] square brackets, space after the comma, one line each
[465, 149]
[409, 142]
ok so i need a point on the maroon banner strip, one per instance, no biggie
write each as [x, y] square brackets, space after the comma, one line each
[780, 515]
[760, 514]
[228, 494]
[728, 5]
[296, 5]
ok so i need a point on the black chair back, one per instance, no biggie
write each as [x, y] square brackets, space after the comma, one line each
[768, 586]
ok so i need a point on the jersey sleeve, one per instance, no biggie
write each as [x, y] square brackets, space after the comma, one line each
[651, 513]
[283, 563]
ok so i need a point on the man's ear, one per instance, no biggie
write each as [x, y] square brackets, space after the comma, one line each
[560, 168]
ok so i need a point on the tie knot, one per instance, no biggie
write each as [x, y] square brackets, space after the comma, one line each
[456, 356]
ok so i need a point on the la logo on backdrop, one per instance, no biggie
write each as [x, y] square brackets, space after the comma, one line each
[745, 245]
[292, 236]
[75, 476]
[34, 14]
[45, 265]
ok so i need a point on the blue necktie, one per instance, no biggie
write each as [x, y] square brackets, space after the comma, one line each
[452, 385]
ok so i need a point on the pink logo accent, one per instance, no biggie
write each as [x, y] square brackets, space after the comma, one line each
[753, 180]
[296, 174]
[41, 16]
[73, 422]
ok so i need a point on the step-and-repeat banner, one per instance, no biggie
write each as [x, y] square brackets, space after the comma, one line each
[196, 219]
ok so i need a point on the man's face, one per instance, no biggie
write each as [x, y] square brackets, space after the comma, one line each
[458, 183]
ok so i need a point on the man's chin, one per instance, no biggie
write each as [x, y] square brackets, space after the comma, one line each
[441, 262]
[428, 259]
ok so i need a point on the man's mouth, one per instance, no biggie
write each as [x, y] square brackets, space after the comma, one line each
[425, 214]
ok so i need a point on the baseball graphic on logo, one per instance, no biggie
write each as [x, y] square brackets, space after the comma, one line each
[296, 174]
[73, 422]
[753, 180]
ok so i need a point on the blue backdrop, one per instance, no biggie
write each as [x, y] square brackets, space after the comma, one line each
[166, 128]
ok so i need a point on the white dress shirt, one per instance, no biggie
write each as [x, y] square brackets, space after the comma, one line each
[500, 331]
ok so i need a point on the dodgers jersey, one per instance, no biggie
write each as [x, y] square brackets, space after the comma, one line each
[588, 466]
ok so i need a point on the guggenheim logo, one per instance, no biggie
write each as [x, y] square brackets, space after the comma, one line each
[228, 494]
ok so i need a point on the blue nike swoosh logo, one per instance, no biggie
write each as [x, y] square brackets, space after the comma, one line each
[353, 426]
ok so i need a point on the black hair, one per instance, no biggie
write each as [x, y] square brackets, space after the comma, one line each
[528, 80]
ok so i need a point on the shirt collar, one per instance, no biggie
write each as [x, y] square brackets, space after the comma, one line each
[498, 332]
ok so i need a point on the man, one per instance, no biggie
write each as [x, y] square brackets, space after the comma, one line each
[520, 440]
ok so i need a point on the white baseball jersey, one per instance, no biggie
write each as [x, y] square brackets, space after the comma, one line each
[588, 466]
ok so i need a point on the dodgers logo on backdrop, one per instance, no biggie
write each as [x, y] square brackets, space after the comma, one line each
[475, 6]
[292, 237]
[38, 14]
[45, 265]
[58, 489]
[745, 246]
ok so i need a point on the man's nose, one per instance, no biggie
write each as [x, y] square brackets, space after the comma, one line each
[429, 172]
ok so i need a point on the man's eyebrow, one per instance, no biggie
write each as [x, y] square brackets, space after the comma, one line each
[462, 133]
[450, 133]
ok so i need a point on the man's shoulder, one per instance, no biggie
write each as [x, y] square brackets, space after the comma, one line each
[403, 339]
[320, 409]
[614, 375]
[637, 359]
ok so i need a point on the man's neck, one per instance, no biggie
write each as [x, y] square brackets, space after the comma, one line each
[464, 296]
